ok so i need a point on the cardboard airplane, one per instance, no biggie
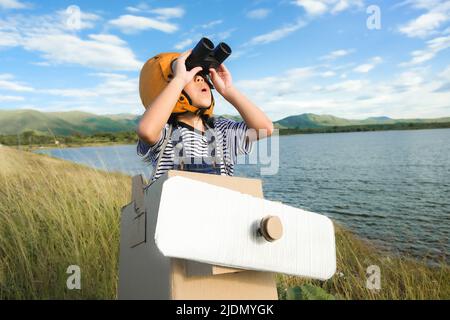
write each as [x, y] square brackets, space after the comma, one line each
[201, 236]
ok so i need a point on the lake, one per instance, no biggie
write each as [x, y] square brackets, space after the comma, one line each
[392, 187]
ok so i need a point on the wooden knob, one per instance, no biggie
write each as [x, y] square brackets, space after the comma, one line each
[271, 228]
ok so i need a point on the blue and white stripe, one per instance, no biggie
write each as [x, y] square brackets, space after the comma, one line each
[231, 134]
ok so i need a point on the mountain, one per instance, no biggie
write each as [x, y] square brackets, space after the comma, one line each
[71, 122]
[63, 123]
[380, 119]
[310, 121]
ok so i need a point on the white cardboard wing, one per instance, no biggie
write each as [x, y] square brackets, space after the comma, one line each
[211, 224]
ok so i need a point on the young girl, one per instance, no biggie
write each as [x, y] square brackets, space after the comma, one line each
[178, 130]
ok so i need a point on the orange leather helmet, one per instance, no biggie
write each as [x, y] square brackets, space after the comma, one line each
[156, 75]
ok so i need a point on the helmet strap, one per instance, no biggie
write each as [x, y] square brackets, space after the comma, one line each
[187, 96]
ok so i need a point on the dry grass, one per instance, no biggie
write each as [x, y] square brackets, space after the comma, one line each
[54, 213]
[401, 277]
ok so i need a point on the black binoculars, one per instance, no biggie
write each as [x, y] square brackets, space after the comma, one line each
[206, 56]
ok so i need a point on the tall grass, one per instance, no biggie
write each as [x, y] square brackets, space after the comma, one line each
[401, 277]
[54, 214]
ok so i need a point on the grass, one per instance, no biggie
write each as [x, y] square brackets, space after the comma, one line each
[54, 214]
[402, 277]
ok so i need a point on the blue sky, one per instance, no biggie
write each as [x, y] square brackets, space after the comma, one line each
[289, 56]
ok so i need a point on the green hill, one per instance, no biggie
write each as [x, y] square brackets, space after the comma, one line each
[311, 121]
[63, 123]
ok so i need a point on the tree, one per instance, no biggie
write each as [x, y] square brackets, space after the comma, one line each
[28, 136]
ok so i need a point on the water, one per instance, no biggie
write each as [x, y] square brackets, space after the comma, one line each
[392, 187]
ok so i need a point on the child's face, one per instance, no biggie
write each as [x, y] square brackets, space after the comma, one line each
[199, 92]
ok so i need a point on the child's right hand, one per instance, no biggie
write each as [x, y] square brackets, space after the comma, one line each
[179, 68]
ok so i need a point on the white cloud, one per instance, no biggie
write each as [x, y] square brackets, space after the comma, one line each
[132, 24]
[419, 4]
[342, 5]
[312, 7]
[161, 13]
[211, 24]
[109, 75]
[221, 36]
[133, 9]
[427, 24]
[258, 13]
[107, 38]
[320, 7]
[277, 34]
[41, 63]
[366, 67]
[98, 53]
[141, 7]
[11, 98]
[50, 36]
[336, 54]
[424, 25]
[377, 59]
[328, 74]
[347, 86]
[13, 4]
[168, 13]
[72, 93]
[300, 73]
[408, 79]
[285, 83]
[184, 44]
[445, 74]
[7, 83]
[434, 46]
[9, 39]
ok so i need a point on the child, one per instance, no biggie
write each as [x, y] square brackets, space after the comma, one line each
[178, 131]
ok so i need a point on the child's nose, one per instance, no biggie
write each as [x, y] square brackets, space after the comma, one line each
[199, 79]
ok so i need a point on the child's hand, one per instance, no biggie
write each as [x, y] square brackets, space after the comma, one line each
[221, 79]
[179, 68]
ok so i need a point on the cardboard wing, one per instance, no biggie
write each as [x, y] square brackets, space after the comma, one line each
[215, 225]
[145, 273]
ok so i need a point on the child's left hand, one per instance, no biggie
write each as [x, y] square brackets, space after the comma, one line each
[221, 79]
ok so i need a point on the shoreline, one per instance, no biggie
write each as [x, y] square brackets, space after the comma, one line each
[292, 132]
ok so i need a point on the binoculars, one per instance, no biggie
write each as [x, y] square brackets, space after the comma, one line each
[206, 56]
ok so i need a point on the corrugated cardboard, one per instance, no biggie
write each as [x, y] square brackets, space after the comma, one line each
[145, 274]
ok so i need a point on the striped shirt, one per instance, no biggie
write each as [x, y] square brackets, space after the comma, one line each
[232, 136]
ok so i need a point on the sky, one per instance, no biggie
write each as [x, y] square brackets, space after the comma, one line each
[348, 58]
